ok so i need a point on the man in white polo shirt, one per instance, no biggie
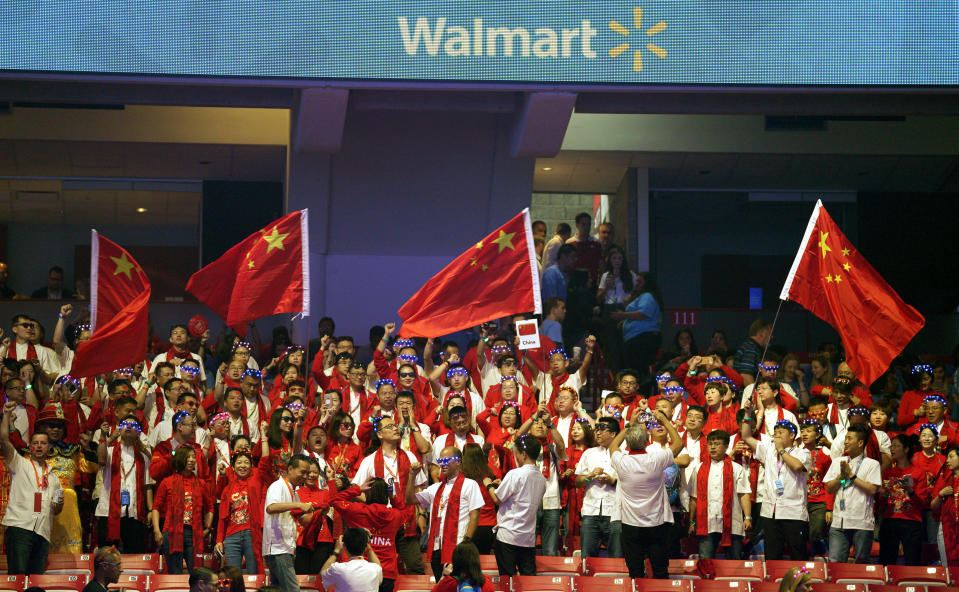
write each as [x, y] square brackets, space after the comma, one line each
[854, 480]
[362, 572]
[517, 499]
[644, 504]
[279, 525]
[35, 496]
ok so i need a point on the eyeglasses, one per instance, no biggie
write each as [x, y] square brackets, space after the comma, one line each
[628, 382]
[286, 418]
[407, 374]
[346, 426]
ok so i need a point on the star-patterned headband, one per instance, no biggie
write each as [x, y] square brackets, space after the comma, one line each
[220, 417]
[459, 370]
[811, 423]
[409, 358]
[785, 423]
[402, 343]
[67, 378]
[252, 372]
[930, 426]
[935, 399]
[293, 348]
[922, 368]
[242, 343]
[858, 412]
[559, 351]
[83, 327]
[506, 377]
[384, 381]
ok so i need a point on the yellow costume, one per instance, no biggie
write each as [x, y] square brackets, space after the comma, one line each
[66, 533]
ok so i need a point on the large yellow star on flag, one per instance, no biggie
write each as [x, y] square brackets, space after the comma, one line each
[504, 240]
[124, 265]
[275, 240]
[822, 243]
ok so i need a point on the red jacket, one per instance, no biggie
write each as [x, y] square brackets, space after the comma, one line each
[383, 522]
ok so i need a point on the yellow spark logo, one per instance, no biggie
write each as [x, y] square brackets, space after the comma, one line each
[638, 25]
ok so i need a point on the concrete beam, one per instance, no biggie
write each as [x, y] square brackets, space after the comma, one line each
[541, 126]
[318, 119]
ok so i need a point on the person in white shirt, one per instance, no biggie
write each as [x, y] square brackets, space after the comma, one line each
[770, 408]
[125, 463]
[35, 496]
[179, 340]
[358, 573]
[595, 472]
[554, 453]
[563, 232]
[22, 348]
[461, 434]
[645, 507]
[784, 510]
[279, 526]
[725, 482]
[164, 430]
[517, 497]
[854, 480]
[453, 503]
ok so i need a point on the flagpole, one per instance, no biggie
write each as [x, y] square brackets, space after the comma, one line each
[771, 330]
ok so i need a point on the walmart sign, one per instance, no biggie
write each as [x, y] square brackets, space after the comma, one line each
[714, 42]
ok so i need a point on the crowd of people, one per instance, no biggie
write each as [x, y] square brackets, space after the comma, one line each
[409, 454]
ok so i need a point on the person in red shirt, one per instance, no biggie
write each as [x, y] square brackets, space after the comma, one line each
[818, 500]
[945, 502]
[240, 521]
[935, 409]
[911, 405]
[581, 439]
[719, 416]
[187, 508]
[929, 462]
[377, 516]
[499, 425]
[314, 543]
[342, 453]
[900, 506]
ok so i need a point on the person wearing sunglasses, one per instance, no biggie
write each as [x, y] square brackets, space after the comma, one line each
[107, 568]
[188, 403]
[23, 349]
[284, 435]
[453, 503]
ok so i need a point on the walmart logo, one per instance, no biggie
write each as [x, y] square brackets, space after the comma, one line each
[476, 38]
[617, 51]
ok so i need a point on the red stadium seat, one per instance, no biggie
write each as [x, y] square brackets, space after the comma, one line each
[891, 588]
[309, 582]
[609, 584]
[720, 586]
[651, 585]
[605, 567]
[13, 583]
[776, 569]
[254, 581]
[488, 565]
[170, 583]
[131, 583]
[542, 583]
[919, 575]
[559, 566]
[69, 563]
[686, 569]
[410, 583]
[838, 588]
[58, 582]
[141, 564]
[764, 587]
[207, 560]
[500, 583]
[3, 563]
[856, 573]
[733, 569]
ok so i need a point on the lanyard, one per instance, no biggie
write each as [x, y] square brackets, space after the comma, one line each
[41, 484]
[289, 488]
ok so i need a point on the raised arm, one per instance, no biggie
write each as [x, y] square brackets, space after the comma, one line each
[676, 441]
[9, 452]
[588, 358]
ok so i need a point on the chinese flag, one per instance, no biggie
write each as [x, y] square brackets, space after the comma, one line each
[268, 273]
[496, 277]
[119, 311]
[833, 281]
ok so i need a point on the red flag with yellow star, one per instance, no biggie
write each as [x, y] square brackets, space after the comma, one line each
[834, 282]
[266, 274]
[496, 277]
[119, 311]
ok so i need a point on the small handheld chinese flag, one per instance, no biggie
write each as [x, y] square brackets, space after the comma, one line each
[835, 283]
[266, 274]
[119, 311]
[496, 277]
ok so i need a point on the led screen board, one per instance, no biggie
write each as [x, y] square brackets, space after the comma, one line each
[710, 42]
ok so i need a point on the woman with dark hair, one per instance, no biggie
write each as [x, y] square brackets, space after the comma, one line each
[718, 344]
[475, 466]
[581, 439]
[284, 436]
[911, 408]
[239, 527]
[499, 425]
[382, 521]
[615, 286]
[900, 505]
[315, 540]
[464, 573]
[945, 501]
[187, 507]
[683, 348]
[928, 462]
[343, 454]
[642, 322]
[231, 579]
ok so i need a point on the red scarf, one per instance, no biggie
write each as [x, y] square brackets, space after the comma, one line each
[702, 501]
[780, 417]
[451, 440]
[116, 485]
[834, 415]
[12, 352]
[466, 396]
[173, 353]
[872, 447]
[402, 470]
[160, 406]
[748, 462]
[703, 452]
[451, 525]
[264, 415]
[174, 523]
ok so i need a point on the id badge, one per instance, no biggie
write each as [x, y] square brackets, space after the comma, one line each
[779, 487]
[842, 505]
[124, 497]
[37, 501]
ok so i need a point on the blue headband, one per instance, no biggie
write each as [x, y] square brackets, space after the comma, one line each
[785, 423]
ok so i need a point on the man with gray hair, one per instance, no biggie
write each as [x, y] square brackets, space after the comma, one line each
[645, 506]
